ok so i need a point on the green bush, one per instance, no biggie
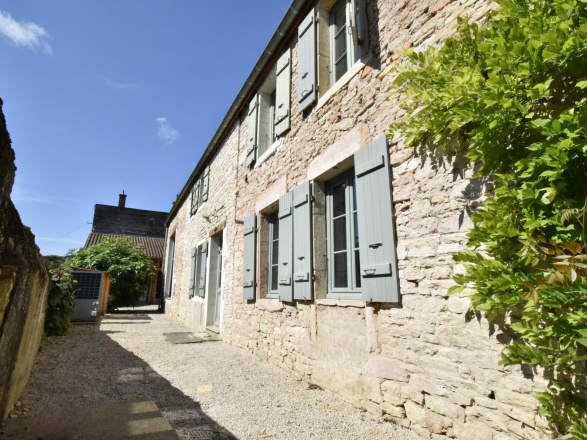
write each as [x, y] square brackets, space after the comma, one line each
[512, 95]
[60, 302]
[131, 270]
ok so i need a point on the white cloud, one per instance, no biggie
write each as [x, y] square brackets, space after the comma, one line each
[166, 133]
[24, 34]
[23, 195]
[120, 85]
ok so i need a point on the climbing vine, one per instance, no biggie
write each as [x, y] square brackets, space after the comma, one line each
[511, 94]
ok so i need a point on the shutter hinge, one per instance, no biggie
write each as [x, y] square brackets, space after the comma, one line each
[313, 277]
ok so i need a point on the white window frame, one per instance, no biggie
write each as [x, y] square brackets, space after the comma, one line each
[353, 289]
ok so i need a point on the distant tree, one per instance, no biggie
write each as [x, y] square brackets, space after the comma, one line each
[131, 270]
[53, 261]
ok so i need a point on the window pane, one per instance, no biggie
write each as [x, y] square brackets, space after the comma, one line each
[275, 252]
[274, 278]
[357, 269]
[340, 45]
[340, 270]
[339, 16]
[338, 200]
[340, 69]
[339, 234]
[275, 225]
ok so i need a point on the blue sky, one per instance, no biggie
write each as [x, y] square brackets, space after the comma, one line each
[105, 96]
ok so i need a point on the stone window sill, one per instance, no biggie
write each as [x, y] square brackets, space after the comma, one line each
[270, 152]
[343, 81]
[341, 302]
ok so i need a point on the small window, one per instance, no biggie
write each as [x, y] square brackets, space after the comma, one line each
[195, 197]
[273, 255]
[339, 44]
[266, 129]
[342, 237]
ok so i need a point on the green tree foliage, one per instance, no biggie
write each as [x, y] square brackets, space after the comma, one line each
[131, 271]
[53, 261]
[60, 302]
[511, 94]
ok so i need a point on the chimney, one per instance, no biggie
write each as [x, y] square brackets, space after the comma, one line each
[121, 199]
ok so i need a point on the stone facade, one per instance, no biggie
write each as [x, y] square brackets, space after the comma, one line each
[426, 362]
[216, 217]
[23, 287]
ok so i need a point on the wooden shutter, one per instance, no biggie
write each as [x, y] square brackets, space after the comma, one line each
[252, 136]
[205, 184]
[363, 31]
[282, 94]
[352, 22]
[195, 197]
[307, 62]
[379, 277]
[302, 241]
[284, 277]
[193, 271]
[203, 258]
[170, 264]
[249, 255]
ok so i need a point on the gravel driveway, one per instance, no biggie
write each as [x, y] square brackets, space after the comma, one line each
[208, 390]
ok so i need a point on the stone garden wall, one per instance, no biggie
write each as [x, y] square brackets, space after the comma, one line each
[23, 287]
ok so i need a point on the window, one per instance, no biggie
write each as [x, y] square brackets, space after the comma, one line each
[200, 191]
[273, 255]
[332, 39]
[169, 285]
[342, 230]
[269, 110]
[344, 51]
[266, 119]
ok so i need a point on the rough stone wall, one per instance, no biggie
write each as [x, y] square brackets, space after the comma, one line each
[190, 231]
[427, 363]
[23, 287]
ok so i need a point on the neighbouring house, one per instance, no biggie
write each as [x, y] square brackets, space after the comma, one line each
[309, 235]
[143, 227]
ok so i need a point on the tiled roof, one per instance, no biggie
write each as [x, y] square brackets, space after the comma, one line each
[153, 246]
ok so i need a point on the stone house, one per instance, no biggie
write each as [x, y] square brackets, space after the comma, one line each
[310, 236]
[143, 227]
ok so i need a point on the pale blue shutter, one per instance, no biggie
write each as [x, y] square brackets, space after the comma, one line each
[283, 92]
[363, 24]
[193, 272]
[195, 197]
[302, 241]
[252, 133]
[205, 184]
[307, 62]
[250, 228]
[379, 277]
[285, 247]
[203, 258]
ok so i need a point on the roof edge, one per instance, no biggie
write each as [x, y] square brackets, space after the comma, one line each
[281, 34]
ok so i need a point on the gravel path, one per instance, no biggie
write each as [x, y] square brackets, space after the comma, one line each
[208, 390]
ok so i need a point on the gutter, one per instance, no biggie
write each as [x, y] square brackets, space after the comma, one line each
[289, 22]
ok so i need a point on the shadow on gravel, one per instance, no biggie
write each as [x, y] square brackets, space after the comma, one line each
[76, 373]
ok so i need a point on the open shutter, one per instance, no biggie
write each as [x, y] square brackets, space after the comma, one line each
[352, 21]
[195, 197]
[252, 136]
[302, 241]
[379, 277]
[205, 184]
[193, 271]
[363, 28]
[170, 264]
[284, 273]
[307, 62]
[250, 229]
[203, 258]
[282, 98]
